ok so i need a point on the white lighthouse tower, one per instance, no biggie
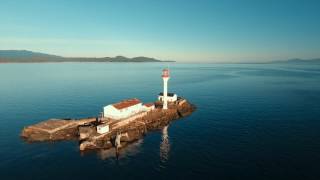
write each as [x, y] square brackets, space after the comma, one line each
[165, 77]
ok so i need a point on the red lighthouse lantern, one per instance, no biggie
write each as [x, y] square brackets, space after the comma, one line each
[165, 73]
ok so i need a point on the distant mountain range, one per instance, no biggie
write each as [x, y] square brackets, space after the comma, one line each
[23, 56]
[298, 61]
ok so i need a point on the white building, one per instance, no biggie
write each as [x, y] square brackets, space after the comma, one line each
[171, 97]
[123, 109]
[149, 106]
[102, 128]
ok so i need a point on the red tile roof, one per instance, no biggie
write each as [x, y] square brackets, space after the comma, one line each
[149, 104]
[126, 103]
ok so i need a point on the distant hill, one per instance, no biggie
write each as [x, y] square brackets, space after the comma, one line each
[299, 61]
[23, 56]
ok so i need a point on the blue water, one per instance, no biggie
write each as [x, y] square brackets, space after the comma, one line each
[253, 121]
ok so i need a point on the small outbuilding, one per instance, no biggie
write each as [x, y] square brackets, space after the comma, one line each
[171, 97]
[103, 128]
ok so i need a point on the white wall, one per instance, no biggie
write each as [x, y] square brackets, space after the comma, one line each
[169, 98]
[129, 119]
[148, 108]
[103, 128]
[111, 112]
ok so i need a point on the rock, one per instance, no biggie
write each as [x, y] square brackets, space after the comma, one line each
[85, 131]
[185, 109]
[95, 144]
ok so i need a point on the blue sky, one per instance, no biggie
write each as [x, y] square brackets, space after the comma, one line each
[186, 31]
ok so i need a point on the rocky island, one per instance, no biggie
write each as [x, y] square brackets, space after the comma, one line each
[120, 132]
[119, 123]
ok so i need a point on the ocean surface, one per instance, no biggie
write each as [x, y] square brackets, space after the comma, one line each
[253, 121]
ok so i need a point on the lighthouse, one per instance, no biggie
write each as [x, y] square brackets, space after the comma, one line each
[165, 77]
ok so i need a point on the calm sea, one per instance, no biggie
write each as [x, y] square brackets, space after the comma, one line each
[254, 121]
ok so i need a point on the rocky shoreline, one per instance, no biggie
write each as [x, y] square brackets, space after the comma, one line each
[119, 135]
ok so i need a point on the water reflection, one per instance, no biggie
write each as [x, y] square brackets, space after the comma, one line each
[134, 148]
[165, 145]
[128, 150]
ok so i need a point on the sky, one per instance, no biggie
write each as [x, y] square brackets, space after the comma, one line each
[181, 30]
